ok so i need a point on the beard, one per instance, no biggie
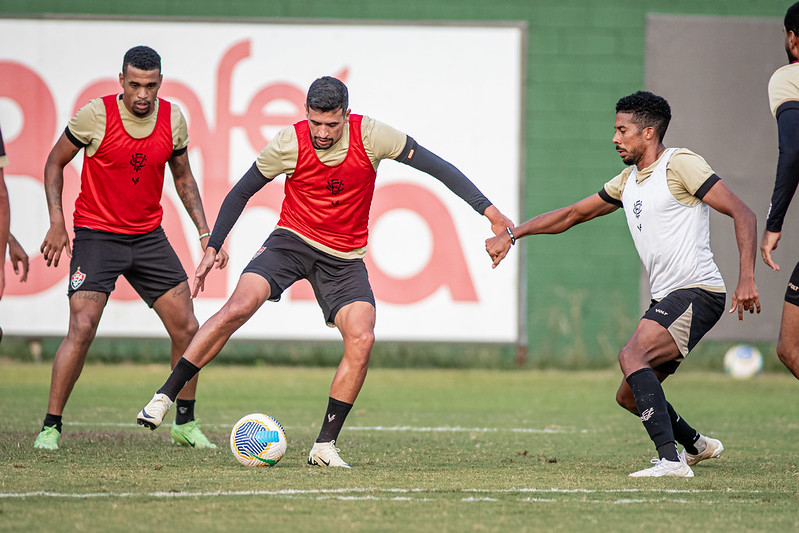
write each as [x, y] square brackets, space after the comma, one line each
[791, 57]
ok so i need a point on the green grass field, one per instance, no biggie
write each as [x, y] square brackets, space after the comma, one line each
[433, 450]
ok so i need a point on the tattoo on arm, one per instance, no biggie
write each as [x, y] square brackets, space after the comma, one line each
[188, 191]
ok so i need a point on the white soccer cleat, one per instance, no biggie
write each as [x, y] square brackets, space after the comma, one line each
[665, 468]
[154, 412]
[713, 448]
[326, 454]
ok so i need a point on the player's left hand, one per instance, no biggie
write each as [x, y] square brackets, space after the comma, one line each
[767, 245]
[745, 298]
[222, 259]
[499, 222]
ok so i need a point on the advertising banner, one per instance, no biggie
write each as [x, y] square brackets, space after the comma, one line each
[454, 89]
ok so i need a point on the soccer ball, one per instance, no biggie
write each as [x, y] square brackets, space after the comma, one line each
[743, 361]
[258, 440]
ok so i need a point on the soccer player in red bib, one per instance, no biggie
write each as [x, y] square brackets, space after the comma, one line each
[330, 161]
[128, 139]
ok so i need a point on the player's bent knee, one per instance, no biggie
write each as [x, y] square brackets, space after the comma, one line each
[789, 355]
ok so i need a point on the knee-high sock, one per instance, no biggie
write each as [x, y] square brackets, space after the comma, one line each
[651, 404]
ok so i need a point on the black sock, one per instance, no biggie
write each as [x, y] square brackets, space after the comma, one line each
[52, 420]
[683, 432]
[651, 403]
[334, 419]
[179, 376]
[185, 412]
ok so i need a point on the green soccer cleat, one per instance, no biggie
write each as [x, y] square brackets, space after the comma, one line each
[47, 439]
[189, 434]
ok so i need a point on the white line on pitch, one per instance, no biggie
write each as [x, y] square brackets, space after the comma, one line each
[373, 493]
[443, 429]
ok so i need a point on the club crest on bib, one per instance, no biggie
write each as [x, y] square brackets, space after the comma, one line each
[77, 279]
[259, 252]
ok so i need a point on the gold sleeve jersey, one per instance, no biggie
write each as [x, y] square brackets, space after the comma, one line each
[783, 86]
[380, 141]
[87, 126]
[686, 172]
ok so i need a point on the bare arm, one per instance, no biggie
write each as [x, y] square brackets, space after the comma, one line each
[5, 222]
[57, 238]
[189, 194]
[723, 200]
[556, 221]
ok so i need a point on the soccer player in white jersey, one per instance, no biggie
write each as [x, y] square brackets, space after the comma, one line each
[783, 93]
[666, 195]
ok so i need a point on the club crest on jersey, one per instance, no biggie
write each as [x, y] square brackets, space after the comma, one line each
[637, 208]
[335, 186]
[259, 252]
[137, 161]
[77, 279]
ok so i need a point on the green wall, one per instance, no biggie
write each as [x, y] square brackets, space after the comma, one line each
[582, 55]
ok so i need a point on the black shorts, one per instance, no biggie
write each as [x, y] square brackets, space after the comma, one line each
[147, 261]
[286, 258]
[688, 314]
[792, 292]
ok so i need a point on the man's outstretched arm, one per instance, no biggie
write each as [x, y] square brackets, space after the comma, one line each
[556, 221]
[416, 156]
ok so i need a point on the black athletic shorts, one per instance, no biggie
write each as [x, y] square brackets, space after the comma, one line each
[286, 258]
[688, 314]
[792, 292]
[147, 261]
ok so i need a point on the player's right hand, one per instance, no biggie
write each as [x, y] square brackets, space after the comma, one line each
[205, 266]
[767, 245]
[56, 240]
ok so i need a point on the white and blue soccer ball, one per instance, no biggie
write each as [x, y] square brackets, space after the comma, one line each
[743, 361]
[258, 440]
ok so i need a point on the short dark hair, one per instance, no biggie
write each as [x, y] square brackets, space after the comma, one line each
[648, 110]
[792, 19]
[142, 58]
[327, 94]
